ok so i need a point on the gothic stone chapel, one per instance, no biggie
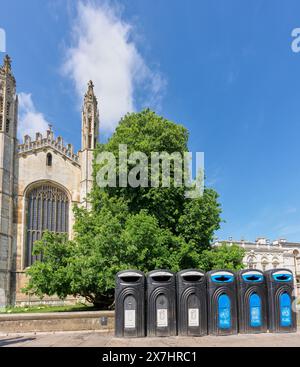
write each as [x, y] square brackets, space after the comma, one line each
[40, 180]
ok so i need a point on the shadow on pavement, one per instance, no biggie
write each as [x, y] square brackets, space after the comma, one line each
[16, 340]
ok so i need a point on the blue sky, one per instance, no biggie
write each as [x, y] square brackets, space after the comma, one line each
[224, 69]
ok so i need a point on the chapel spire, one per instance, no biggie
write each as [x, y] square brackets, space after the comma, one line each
[90, 119]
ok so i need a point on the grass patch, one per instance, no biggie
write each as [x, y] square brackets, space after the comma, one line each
[48, 308]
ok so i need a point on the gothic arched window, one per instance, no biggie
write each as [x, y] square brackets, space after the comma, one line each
[1, 112]
[90, 125]
[264, 264]
[1, 104]
[251, 262]
[8, 108]
[48, 209]
[275, 263]
[7, 126]
[49, 160]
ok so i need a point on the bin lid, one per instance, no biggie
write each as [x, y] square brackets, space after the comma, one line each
[160, 274]
[129, 274]
[252, 276]
[222, 277]
[192, 273]
[282, 276]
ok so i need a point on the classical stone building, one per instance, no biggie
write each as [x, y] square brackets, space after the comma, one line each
[264, 255]
[40, 180]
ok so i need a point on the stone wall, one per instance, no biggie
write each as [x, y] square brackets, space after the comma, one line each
[32, 170]
[57, 321]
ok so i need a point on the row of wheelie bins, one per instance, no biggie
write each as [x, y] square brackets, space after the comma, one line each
[194, 303]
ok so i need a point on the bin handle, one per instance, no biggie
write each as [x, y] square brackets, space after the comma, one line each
[222, 278]
[130, 279]
[282, 277]
[192, 278]
[253, 277]
[161, 278]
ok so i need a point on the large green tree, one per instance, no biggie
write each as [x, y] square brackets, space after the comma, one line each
[141, 227]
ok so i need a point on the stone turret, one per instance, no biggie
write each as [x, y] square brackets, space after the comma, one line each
[8, 129]
[89, 139]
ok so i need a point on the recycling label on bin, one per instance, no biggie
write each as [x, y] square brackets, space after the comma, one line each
[224, 318]
[255, 310]
[193, 316]
[285, 310]
[129, 319]
[162, 317]
[224, 310]
[255, 318]
[285, 316]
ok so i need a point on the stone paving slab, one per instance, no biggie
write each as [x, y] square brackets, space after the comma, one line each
[96, 339]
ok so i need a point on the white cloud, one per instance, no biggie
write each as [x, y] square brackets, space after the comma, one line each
[104, 52]
[30, 120]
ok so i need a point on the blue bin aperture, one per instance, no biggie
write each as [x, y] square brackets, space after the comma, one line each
[191, 303]
[130, 304]
[161, 303]
[252, 301]
[280, 284]
[221, 302]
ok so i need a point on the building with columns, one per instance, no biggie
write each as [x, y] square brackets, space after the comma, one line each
[264, 254]
[40, 180]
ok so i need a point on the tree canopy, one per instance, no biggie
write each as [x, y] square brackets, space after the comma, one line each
[143, 228]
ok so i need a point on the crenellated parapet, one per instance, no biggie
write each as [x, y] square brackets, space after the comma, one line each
[49, 140]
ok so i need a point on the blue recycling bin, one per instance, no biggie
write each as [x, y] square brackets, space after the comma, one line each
[281, 301]
[252, 301]
[221, 302]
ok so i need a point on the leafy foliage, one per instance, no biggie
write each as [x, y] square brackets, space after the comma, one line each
[223, 257]
[142, 228]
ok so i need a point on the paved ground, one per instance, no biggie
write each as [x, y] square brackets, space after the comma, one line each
[96, 339]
